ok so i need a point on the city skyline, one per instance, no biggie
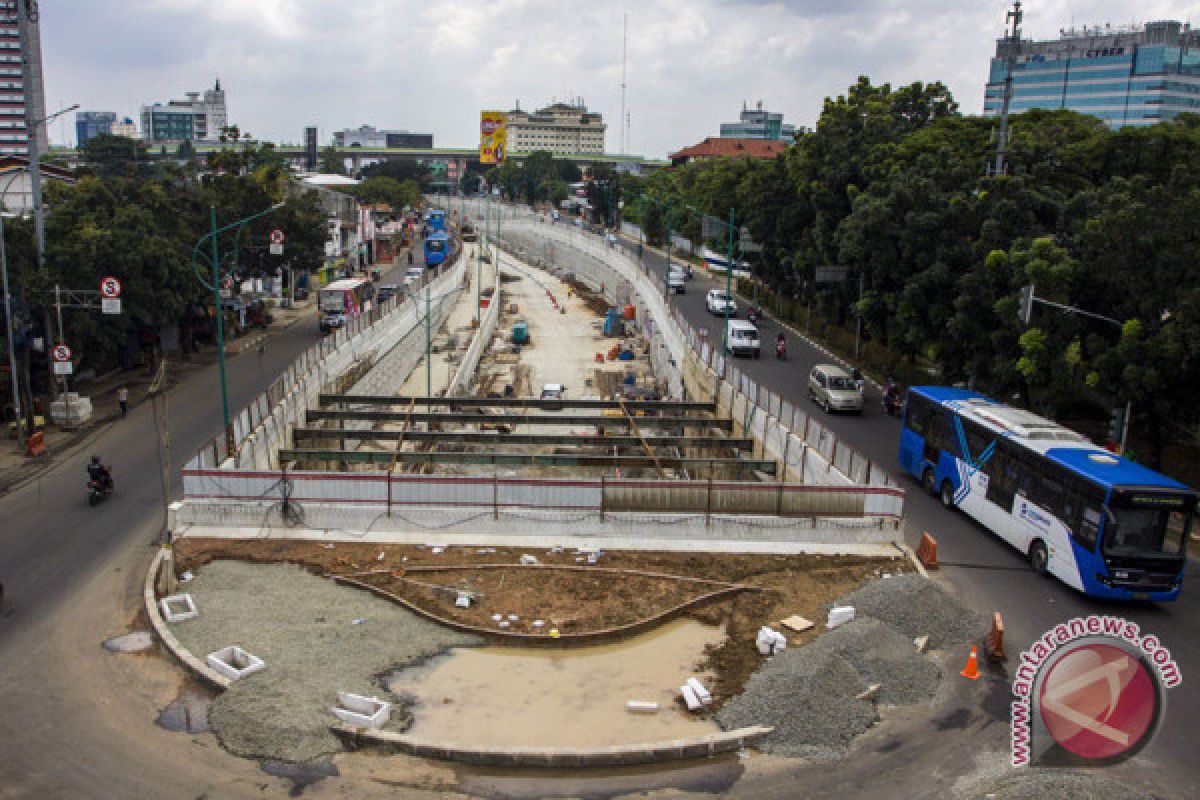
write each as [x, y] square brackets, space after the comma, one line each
[691, 66]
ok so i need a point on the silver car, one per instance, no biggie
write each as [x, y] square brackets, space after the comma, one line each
[834, 389]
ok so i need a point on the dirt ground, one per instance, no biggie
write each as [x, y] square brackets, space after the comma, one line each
[581, 601]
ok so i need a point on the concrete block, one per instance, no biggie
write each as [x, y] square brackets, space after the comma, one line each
[235, 663]
[178, 607]
[641, 706]
[689, 698]
[463, 600]
[528, 560]
[921, 643]
[839, 615]
[702, 694]
[364, 712]
[770, 641]
[797, 623]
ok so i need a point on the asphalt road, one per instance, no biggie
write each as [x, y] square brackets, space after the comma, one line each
[72, 576]
[987, 572]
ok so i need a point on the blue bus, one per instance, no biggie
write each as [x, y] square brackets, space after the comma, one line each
[437, 220]
[1102, 524]
[437, 245]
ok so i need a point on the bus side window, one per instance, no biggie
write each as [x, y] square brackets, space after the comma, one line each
[916, 415]
[1089, 527]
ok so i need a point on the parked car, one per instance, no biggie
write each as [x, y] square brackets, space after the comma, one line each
[833, 389]
[719, 303]
[743, 338]
[553, 391]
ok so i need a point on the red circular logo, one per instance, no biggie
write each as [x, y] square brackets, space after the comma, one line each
[1098, 700]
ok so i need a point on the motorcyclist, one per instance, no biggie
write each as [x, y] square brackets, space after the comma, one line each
[781, 345]
[891, 397]
[857, 376]
[100, 473]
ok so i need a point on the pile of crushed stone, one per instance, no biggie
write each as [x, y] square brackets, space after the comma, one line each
[915, 606]
[881, 654]
[316, 638]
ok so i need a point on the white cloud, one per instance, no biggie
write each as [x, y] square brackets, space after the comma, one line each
[432, 66]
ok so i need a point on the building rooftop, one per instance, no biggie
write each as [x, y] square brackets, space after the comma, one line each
[715, 146]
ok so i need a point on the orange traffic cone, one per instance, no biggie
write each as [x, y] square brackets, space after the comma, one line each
[971, 670]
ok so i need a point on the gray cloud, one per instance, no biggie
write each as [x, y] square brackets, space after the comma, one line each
[433, 66]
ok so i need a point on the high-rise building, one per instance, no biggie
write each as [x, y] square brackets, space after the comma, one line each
[758, 124]
[310, 148]
[22, 94]
[368, 136]
[561, 128]
[201, 117]
[92, 123]
[1125, 75]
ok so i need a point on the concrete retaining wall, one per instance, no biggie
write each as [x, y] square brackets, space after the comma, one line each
[465, 374]
[559, 757]
[180, 653]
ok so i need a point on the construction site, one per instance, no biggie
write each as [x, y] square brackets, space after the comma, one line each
[525, 470]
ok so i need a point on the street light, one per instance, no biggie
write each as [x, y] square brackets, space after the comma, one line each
[8, 324]
[215, 261]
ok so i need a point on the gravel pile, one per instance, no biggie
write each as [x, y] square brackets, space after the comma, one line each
[316, 637]
[880, 654]
[807, 694]
[915, 606]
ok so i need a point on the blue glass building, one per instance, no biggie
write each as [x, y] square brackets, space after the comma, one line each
[92, 123]
[1123, 76]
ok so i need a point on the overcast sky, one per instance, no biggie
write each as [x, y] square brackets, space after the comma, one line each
[432, 65]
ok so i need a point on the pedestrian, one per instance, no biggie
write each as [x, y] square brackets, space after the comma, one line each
[123, 400]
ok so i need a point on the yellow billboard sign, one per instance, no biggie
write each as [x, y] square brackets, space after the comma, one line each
[493, 137]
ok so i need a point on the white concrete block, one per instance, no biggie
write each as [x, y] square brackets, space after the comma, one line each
[702, 694]
[839, 615]
[689, 698]
[178, 607]
[770, 641]
[528, 560]
[234, 663]
[364, 712]
[641, 706]
[463, 600]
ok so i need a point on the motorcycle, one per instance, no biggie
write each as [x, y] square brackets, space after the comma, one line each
[892, 401]
[754, 315]
[99, 489]
[781, 350]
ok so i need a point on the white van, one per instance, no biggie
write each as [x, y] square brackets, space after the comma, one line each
[743, 338]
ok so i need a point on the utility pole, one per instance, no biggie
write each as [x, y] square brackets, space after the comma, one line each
[728, 290]
[624, 64]
[862, 278]
[1014, 45]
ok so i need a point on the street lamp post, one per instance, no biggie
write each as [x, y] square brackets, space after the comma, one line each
[215, 259]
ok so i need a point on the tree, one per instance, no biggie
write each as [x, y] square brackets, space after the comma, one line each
[112, 155]
[332, 162]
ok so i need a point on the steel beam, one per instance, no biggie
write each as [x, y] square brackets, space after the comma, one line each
[454, 418]
[483, 437]
[515, 402]
[520, 459]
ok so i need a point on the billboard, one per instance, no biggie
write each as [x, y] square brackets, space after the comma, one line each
[493, 137]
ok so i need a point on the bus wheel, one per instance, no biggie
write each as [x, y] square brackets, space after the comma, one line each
[947, 494]
[1039, 557]
[927, 482]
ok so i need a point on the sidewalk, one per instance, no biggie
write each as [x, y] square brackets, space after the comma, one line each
[16, 468]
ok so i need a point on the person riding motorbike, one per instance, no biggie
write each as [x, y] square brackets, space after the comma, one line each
[891, 398]
[857, 376]
[781, 346]
[100, 473]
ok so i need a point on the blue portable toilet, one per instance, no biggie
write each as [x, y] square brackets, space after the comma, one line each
[612, 322]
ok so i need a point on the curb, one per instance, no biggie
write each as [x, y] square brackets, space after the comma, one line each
[177, 650]
[616, 755]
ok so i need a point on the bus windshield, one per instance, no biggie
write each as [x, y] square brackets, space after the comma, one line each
[1148, 524]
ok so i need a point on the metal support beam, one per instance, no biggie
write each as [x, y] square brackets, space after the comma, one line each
[542, 439]
[515, 402]
[452, 418]
[519, 459]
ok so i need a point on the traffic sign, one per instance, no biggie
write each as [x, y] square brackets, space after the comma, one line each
[110, 305]
[110, 287]
[277, 236]
[61, 352]
[831, 274]
[63, 368]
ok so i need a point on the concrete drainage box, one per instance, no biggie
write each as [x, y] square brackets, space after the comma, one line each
[178, 607]
[233, 662]
[363, 712]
